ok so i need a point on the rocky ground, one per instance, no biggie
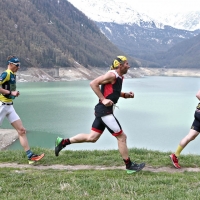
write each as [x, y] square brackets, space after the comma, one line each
[81, 73]
[7, 137]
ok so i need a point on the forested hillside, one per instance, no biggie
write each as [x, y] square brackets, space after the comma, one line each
[52, 33]
[183, 55]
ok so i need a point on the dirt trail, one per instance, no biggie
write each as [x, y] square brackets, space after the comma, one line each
[85, 167]
[8, 136]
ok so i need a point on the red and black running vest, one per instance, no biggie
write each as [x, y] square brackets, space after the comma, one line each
[112, 92]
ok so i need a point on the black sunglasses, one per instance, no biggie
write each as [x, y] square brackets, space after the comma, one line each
[16, 64]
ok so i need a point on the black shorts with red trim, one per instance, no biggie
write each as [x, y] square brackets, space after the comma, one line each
[110, 122]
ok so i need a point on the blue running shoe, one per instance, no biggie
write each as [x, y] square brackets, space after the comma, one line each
[135, 168]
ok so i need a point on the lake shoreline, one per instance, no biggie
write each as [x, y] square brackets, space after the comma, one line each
[81, 73]
[7, 137]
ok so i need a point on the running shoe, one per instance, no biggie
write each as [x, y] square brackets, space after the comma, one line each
[35, 158]
[174, 160]
[135, 168]
[58, 145]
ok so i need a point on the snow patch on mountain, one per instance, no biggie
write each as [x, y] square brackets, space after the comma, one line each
[112, 11]
[121, 13]
[186, 21]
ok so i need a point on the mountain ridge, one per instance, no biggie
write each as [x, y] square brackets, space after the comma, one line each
[116, 12]
[52, 34]
[141, 37]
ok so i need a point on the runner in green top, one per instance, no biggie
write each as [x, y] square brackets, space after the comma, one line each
[8, 93]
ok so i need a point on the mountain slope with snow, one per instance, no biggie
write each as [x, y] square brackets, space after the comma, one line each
[187, 21]
[140, 36]
[121, 13]
[112, 11]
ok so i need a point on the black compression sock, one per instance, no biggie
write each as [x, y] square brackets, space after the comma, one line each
[66, 142]
[127, 162]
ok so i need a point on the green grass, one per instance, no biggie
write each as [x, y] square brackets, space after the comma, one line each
[33, 184]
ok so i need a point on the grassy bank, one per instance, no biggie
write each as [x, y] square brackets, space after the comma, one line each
[31, 183]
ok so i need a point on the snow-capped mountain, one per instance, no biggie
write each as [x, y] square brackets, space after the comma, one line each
[144, 36]
[187, 21]
[121, 13]
[112, 11]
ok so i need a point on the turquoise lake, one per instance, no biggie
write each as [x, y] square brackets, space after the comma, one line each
[157, 118]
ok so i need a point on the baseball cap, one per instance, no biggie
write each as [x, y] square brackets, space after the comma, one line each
[13, 60]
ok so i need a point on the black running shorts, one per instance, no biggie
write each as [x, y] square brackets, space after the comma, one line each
[109, 122]
[196, 123]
